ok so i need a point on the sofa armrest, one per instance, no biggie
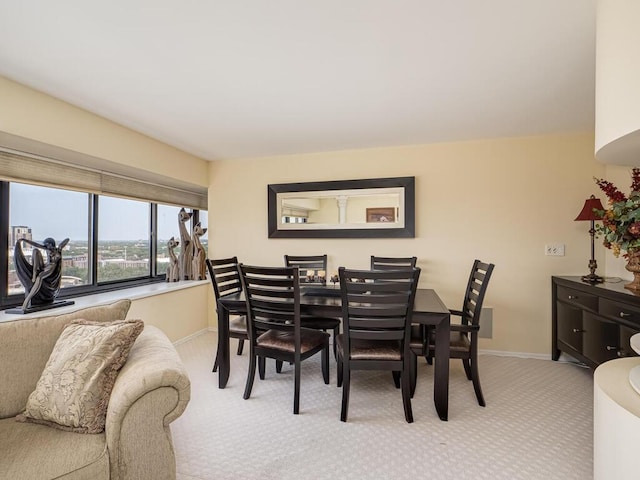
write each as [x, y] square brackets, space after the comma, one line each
[151, 391]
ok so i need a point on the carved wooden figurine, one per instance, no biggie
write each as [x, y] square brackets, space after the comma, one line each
[186, 252]
[199, 268]
[173, 272]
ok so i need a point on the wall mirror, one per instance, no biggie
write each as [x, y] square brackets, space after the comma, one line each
[376, 207]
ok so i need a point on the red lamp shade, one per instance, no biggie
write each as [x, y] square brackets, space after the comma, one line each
[587, 212]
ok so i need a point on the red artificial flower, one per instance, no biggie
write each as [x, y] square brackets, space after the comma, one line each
[611, 190]
[635, 176]
[634, 229]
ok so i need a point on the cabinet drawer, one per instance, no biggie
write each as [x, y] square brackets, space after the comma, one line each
[601, 339]
[625, 342]
[620, 311]
[577, 298]
[570, 326]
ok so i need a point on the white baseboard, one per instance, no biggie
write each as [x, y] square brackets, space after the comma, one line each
[192, 336]
[501, 353]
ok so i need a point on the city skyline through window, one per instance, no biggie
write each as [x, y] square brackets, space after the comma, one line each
[49, 212]
[124, 235]
[123, 239]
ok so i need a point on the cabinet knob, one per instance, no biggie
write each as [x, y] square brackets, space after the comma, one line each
[578, 330]
[612, 347]
[624, 315]
[572, 297]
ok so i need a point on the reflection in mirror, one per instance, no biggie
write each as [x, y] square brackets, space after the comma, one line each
[364, 208]
[351, 208]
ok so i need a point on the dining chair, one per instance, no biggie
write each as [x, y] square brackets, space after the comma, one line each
[376, 310]
[315, 272]
[313, 268]
[464, 336]
[274, 325]
[400, 263]
[225, 277]
[392, 263]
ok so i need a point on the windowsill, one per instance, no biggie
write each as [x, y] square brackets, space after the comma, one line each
[134, 293]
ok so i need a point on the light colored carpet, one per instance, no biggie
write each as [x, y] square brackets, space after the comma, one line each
[537, 424]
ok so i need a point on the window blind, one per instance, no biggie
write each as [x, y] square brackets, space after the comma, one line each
[32, 169]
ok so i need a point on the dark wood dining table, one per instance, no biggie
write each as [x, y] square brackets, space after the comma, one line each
[428, 309]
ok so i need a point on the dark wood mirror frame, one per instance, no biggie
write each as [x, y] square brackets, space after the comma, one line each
[408, 231]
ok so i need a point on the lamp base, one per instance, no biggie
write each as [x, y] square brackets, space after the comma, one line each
[592, 278]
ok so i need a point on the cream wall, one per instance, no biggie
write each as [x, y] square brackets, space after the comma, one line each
[497, 200]
[27, 113]
[34, 115]
[178, 314]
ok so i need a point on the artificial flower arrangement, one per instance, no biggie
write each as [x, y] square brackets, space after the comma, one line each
[621, 221]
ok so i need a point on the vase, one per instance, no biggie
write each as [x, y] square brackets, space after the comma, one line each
[633, 266]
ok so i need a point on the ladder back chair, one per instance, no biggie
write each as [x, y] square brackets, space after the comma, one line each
[464, 336]
[225, 277]
[313, 271]
[392, 263]
[376, 307]
[400, 263]
[313, 268]
[274, 326]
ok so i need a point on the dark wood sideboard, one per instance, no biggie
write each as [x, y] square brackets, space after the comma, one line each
[593, 323]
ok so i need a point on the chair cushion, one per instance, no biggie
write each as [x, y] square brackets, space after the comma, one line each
[238, 325]
[459, 342]
[320, 323]
[74, 388]
[309, 339]
[370, 349]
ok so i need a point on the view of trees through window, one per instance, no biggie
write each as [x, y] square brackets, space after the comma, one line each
[123, 239]
[124, 233]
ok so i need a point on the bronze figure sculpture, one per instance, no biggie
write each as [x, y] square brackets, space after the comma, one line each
[41, 280]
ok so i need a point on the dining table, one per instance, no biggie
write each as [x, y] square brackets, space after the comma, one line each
[325, 301]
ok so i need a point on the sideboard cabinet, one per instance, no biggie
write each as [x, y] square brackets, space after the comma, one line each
[593, 323]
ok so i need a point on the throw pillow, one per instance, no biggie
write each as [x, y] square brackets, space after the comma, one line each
[74, 388]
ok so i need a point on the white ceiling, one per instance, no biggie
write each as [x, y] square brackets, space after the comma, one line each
[239, 78]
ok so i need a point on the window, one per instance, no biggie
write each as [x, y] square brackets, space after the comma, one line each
[123, 239]
[113, 242]
[36, 213]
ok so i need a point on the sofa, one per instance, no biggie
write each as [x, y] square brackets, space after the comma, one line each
[151, 390]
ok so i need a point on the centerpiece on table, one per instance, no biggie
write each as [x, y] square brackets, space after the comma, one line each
[621, 224]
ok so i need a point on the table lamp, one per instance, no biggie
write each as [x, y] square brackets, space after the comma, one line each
[592, 203]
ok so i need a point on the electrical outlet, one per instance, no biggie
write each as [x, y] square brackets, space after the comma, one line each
[554, 249]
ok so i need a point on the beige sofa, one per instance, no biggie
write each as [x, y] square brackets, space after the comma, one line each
[151, 391]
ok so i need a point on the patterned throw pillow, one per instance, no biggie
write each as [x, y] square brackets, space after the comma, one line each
[74, 388]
